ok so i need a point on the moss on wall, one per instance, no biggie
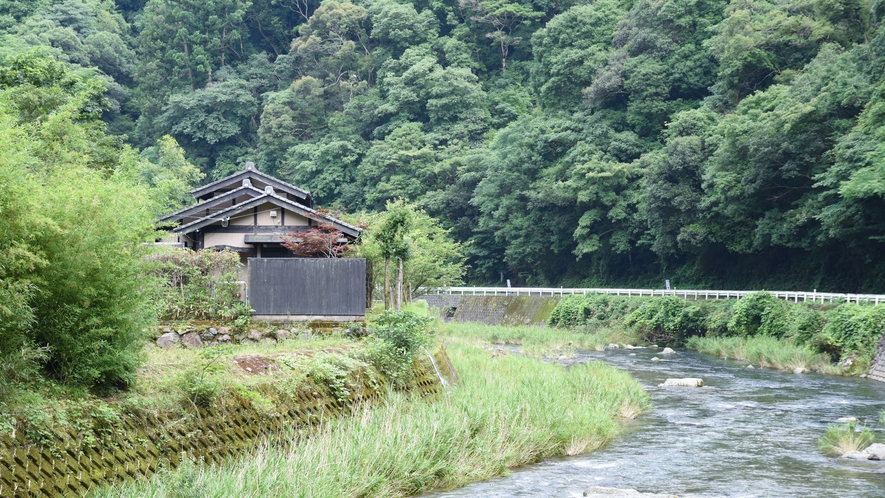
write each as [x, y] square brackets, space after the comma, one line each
[70, 460]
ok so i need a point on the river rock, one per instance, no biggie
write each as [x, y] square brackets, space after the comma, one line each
[687, 382]
[612, 346]
[857, 455]
[191, 340]
[668, 351]
[876, 451]
[630, 346]
[655, 359]
[845, 420]
[167, 340]
[800, 370]
[632, 354]
[600, 492]
[750, 367]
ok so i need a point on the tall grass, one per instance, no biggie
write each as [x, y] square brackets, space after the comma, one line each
[840, 439]
[507, 411]
[764, 351]
[539, 341]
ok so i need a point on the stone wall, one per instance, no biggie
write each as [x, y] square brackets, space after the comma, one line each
[67, 462]
[877, 367]
[493, 310]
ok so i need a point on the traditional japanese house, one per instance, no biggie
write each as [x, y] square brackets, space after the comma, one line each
[249, 212]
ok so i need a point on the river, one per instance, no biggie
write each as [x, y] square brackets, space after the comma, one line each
[748, 433]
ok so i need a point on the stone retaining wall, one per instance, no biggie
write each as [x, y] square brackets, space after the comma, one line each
[877, 367]
[493, 310]
[69, 463]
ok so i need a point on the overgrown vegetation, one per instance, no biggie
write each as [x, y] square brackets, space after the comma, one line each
[760, 328]
[506, 412]
[198, 285]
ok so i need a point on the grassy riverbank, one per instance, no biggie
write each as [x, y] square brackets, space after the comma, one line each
[762, 351]
[507, 411]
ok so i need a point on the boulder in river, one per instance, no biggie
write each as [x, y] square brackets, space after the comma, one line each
[687, 382]
[668, 351]
[655, 359]
[876, 451]
[612, 346]
[600, 492]
[750, 367]
[845, 420]
[800, 370]
[857, 455]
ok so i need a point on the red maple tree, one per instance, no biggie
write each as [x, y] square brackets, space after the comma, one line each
[322, 241]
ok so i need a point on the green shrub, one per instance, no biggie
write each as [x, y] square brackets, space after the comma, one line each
[403, 330]
[718, 315]
[198, 285]
[667, 320]
[580, 309]
[760, 313]
[852, 329]
[395, 338]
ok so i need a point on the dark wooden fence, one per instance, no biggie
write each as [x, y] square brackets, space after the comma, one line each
[308, 286]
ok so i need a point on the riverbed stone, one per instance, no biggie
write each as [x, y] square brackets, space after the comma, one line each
[668, 351]
[655, 359]
[612, 346]
[876, 451]
[191, 340]
[800, 370]
[750, 367]
[845, 420]
[857, 455]
[601, 492]
[686, 382]
[168, 340]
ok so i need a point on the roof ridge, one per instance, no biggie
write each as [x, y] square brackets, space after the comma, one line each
[247, 171]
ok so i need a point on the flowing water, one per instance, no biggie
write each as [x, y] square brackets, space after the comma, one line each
[748, 433]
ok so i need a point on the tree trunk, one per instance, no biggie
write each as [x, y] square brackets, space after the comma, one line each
[399, 285]
[387, 283]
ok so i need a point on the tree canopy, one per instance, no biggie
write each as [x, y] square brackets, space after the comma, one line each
[615, 142]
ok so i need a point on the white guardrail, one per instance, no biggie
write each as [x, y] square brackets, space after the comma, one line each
[796, 297]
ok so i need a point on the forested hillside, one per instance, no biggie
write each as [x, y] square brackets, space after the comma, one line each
[614, 142]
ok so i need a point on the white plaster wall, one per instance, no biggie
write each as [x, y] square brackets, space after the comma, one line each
[225, 239]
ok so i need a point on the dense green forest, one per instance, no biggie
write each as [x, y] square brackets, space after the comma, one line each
[613, 142]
